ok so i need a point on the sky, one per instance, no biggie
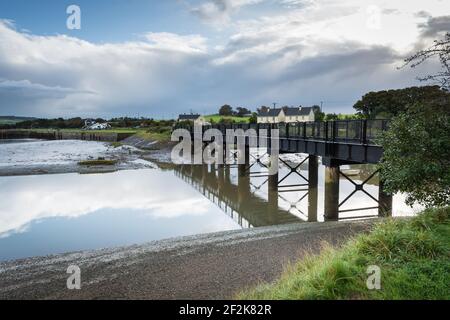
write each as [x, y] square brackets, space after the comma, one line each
[157, 59]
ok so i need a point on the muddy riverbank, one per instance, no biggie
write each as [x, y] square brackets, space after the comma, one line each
[208, 266]
[34, 157]
[64, 135]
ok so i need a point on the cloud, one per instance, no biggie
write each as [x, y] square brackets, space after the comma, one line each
[302, 55]
[297, 3]
[218, 12]
[174, 42]
[63, 71]
[36, 90]
[435, 26]
[78, 199]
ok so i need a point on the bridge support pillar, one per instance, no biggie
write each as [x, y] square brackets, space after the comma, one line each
[197, 171]
[272, 202]
[243, 188]
[221, 177]
[313, 170]
[243, 176]
[227, 173]
[273, 182]
[273, 178]
[384, 201]
[272, 186]
[221, 156]
[243, 161]
[204, 173]
[332, 193]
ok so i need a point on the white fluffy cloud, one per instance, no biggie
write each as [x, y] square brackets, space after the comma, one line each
[313, 51]
[112, 77]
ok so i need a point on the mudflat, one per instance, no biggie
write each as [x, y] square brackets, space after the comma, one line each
[208, 266]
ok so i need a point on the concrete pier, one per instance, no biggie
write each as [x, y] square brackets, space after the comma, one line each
[243, 175]
[313, 171]
[384, 201]
[273, 178]
[331, 193]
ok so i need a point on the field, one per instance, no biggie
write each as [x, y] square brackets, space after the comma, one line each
[12, 120]
[7, 121]
[217, 118]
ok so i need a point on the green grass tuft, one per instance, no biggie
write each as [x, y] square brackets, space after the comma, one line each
[413, 255]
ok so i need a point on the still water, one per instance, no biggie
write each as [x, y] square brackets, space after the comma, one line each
[48, 214]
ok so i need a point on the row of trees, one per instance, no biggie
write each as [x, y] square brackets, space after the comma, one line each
[391, 103]
[59, 123]
[78, 123]
[139, 122]
[227, 110]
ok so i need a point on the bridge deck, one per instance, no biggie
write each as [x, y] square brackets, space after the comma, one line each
[345, 140]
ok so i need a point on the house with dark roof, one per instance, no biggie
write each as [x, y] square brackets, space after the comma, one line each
[286, 114]
[196, 118]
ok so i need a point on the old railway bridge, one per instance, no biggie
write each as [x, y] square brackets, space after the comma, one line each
[338, 143]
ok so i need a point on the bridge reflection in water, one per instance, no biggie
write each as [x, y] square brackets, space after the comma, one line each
[337, 143]
[251, 199]
[237, 201]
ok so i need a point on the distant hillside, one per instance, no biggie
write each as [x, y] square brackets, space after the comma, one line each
[14, 119]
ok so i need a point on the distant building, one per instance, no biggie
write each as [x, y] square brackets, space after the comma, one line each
[90, 124]
[99, 126]
[196, 118]
[286, 114]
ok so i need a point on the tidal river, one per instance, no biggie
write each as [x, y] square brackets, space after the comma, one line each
[43, 214]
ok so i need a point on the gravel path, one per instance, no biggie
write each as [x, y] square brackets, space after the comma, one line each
[212, 266]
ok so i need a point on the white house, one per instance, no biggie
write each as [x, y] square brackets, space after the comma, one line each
[99, 126]
[90, 124]
[286, 114]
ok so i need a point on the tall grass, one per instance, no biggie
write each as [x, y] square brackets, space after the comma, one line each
[215, 118]
[413, 255]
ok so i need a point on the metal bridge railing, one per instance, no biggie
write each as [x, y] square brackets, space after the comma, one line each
[349, 131]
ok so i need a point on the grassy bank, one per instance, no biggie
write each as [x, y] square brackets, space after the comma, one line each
[156, 133]
[215, 118]
[161, 135]
[413, 255]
